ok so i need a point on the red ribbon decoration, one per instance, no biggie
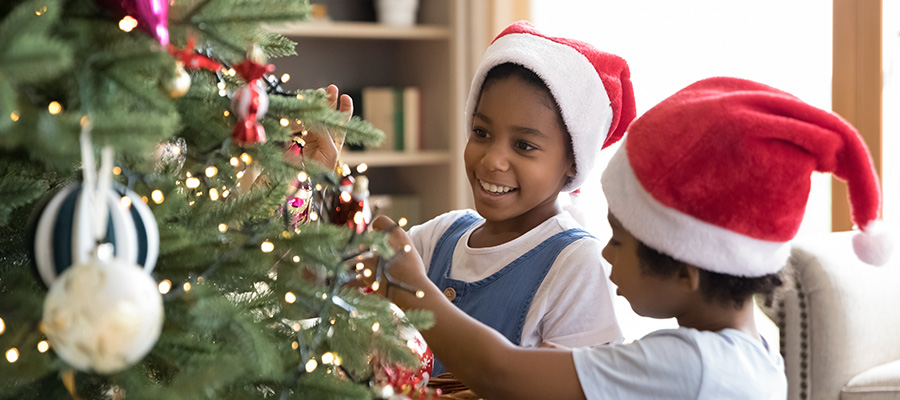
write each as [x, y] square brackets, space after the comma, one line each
[191, 60]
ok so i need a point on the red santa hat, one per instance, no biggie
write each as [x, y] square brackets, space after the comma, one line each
[718, 176]
[592, 88]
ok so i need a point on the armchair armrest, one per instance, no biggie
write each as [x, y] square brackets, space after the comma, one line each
[837, 315]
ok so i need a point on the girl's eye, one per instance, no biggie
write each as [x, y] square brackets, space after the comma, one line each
[479, 133]
[613, 242]
[524, 146]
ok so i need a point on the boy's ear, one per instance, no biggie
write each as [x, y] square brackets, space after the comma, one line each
[688, 277]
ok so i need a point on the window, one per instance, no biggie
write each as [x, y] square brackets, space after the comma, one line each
[668, 44]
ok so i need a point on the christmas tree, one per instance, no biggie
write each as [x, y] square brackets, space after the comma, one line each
[256, 290]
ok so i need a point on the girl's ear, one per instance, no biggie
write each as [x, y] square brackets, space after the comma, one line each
[570, 172]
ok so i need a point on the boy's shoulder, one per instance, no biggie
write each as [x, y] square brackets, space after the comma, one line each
[703, 364]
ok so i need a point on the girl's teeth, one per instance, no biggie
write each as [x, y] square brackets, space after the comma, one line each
[494, 188]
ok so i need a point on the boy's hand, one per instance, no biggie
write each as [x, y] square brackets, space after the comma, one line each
[325, 147]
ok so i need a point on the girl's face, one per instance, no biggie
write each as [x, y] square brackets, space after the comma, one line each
[649, 295]
[517, 158]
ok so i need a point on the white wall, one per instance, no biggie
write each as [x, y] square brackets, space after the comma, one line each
[670, 44]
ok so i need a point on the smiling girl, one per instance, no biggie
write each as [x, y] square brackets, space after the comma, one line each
[539, 110]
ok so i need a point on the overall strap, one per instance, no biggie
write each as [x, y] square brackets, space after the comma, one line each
[442, 257]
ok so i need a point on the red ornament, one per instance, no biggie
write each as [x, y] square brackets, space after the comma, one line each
[250, 103]
[152, 15]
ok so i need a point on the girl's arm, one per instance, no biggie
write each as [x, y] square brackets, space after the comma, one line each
[479, 356]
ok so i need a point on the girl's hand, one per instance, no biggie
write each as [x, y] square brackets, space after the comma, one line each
[325, 147]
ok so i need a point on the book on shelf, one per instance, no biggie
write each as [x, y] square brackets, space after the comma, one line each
[397, 112]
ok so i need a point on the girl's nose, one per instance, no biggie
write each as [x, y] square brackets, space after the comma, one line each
[495, 158]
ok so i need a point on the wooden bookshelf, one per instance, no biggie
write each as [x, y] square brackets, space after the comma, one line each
[355, 54]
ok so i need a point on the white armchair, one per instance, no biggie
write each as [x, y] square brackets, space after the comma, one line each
[839, 322]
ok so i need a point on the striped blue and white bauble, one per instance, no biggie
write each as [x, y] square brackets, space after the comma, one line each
[62, 235]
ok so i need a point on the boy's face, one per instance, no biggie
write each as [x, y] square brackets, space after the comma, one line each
[517, 157]
[649, 295]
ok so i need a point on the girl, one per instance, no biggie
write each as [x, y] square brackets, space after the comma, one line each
[539, 110]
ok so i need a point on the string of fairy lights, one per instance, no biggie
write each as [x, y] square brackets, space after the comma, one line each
[201, 183]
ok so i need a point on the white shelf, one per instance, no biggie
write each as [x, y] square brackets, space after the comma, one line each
[361, 30]
[395, 159]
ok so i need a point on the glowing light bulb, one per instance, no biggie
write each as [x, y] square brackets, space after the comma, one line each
[213, 194]
[295, 345]
[128, 23]
[223, 228]
[296, 327]
[125, 202]
[367, 272]
[211, 171]
[402, 222]
[246, 158]
[43, 346]
[187, 286]
[420, 294]
[54, 107]
[157, 196]
[231, 72]
[296, 259]
[14, 116]
[192, 183]
[311, 365]
[375, 327]
[117, 170]
[221, 85]
[284, 122]
[375, 286]
[407, 248]
[359, 266]
[165, 286]
[302, 176]
[12, 355]
[285, 78]
[290, 298]
[313, 216]
[327, 358]
[267, 247]
[345, 197]
[362, 168]
[2, 326]
[233, 161]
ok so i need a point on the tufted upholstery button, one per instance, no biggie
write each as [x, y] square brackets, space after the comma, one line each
[450, 293]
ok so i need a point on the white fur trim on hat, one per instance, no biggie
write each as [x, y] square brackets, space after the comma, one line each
[682, 236]
[574, 83]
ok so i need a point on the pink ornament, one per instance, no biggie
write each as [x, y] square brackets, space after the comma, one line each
[152, 15]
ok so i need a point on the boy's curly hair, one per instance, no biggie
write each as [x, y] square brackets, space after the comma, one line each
[715, 287]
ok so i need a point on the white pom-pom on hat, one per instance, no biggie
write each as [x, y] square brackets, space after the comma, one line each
[874, 244]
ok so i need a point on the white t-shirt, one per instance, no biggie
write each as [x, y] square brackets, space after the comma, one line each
[683, 363]
[573, 305]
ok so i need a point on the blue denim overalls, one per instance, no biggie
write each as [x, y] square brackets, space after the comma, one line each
[501, 300]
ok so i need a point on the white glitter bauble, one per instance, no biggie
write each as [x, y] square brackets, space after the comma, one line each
[103, 317]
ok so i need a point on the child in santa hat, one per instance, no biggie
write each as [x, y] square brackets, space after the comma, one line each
[704, 195]
[539, 110]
